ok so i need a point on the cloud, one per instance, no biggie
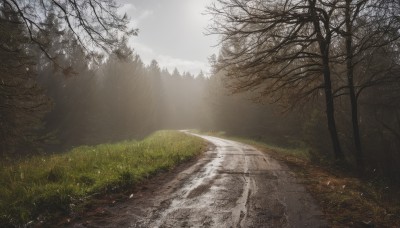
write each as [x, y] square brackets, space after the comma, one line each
[147, 54]
[194, 67]
[171, 33]
[137, 15]
[144, 14]
[126, 8]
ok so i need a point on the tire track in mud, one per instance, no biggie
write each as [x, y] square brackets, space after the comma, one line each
[232, 185]
[239, 213]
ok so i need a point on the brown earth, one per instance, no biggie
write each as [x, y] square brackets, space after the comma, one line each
[231, 185]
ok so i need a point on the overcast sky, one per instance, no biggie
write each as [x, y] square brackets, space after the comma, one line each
[172, 32]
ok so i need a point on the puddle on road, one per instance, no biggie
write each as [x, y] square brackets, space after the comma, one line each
[197, 192]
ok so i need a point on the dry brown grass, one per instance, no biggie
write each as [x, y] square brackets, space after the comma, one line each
[347, 201]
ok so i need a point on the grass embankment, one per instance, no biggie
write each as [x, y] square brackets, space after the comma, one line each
[41, 187]
[346, 200]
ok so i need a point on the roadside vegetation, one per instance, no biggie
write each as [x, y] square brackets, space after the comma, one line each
[64, 86]
[41, 186]
[347, 201]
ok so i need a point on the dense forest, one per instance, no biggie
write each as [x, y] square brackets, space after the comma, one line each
[58, 95]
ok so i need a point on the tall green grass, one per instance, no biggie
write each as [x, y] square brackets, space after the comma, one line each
[43, 186]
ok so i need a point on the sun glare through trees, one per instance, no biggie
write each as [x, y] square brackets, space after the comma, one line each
[317, 76]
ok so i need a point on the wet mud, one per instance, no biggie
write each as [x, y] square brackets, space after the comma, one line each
[232, 185]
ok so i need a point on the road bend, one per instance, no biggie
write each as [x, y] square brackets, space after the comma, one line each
[232, 185]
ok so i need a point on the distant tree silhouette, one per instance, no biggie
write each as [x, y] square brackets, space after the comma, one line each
[23, 103]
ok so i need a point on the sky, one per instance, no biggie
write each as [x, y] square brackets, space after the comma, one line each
[172, 32]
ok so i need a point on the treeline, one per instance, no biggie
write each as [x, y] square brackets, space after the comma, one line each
[32, 38]
[58, 96]
[78, 102]
[305, 126]
[341, 57]
[121, 99]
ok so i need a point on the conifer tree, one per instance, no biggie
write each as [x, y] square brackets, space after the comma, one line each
[23, 103]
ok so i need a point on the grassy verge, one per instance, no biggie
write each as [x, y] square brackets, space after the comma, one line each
[41, 187]
[347, 201]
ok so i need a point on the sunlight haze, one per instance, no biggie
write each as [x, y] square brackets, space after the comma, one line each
[291, 111]
[172, 32]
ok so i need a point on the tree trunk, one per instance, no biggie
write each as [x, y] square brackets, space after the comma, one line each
[324, 43]
[352, 94]
[330, 112]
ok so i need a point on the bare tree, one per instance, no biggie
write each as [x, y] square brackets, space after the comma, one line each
[96, 24]
[282, 49]
[366, 26]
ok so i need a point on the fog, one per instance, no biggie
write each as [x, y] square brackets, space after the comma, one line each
[62, 95]
[136, 113]
[164, 24]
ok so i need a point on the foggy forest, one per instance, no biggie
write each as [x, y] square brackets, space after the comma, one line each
[322, 76]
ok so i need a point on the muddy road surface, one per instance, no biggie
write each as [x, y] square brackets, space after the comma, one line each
[231, 185]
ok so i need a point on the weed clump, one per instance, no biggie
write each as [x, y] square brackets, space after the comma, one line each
[126, 179]
[56, 174]
[86, 180]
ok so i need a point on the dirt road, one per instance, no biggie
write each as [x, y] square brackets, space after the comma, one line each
[232, 185]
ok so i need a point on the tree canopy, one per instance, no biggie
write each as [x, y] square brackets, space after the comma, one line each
[292, 51]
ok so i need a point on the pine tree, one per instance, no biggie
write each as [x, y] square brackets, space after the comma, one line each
[23, 103]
